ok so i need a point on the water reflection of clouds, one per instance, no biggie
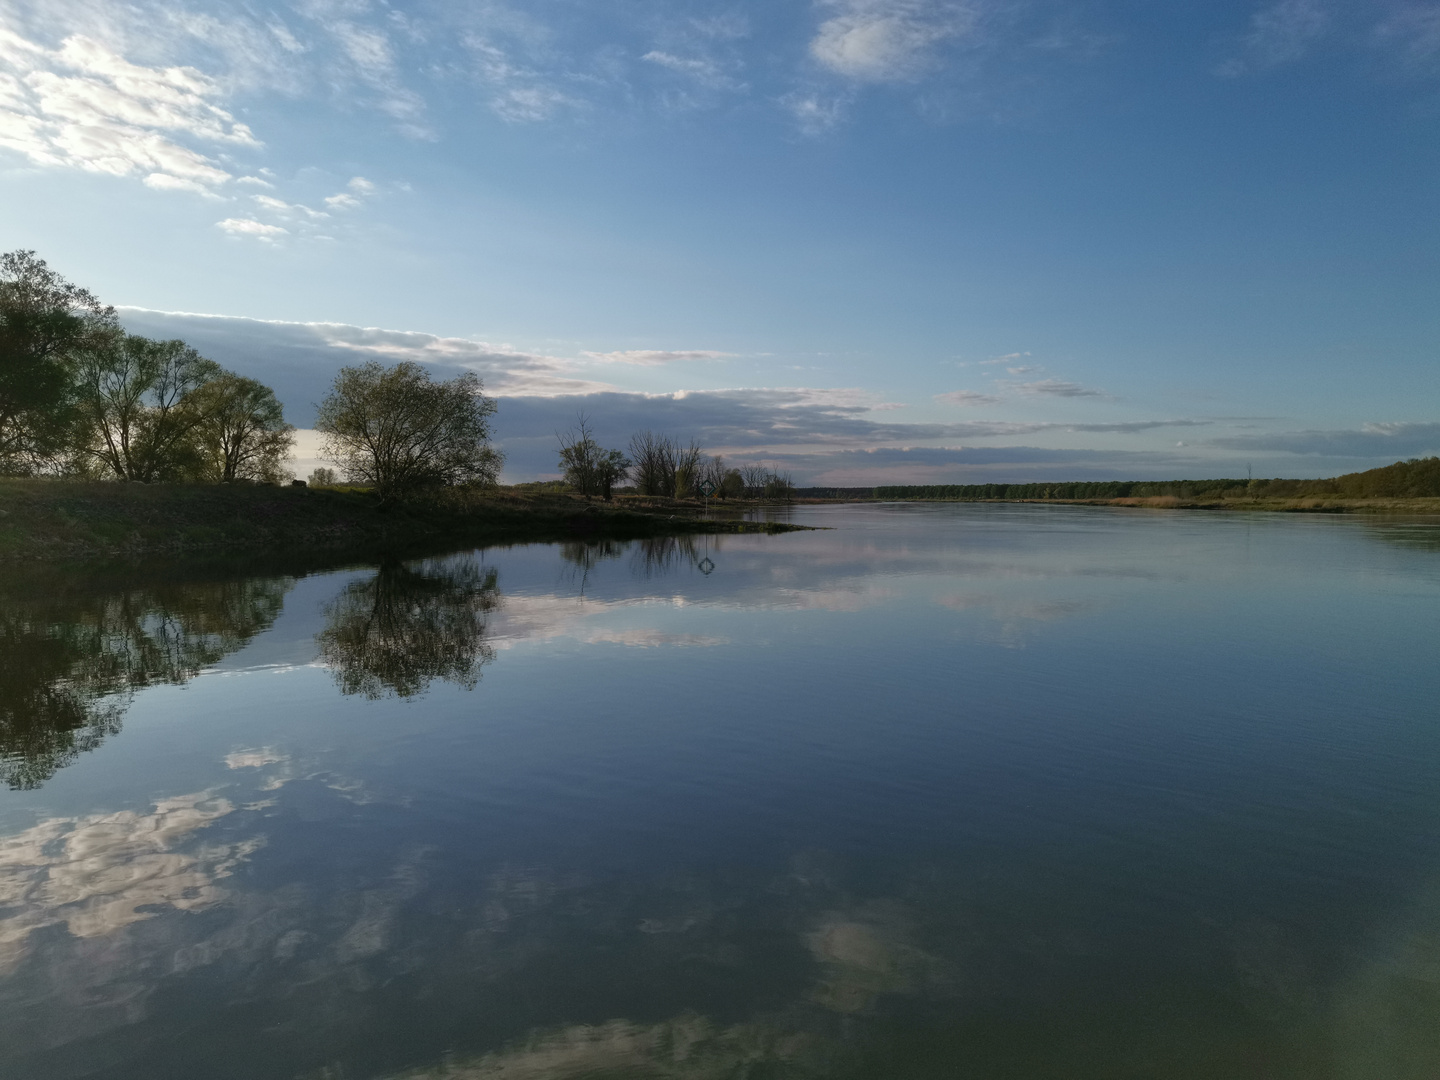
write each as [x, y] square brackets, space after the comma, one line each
[550, 617]
[99, 873]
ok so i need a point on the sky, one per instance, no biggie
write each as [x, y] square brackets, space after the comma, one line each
[863, 241]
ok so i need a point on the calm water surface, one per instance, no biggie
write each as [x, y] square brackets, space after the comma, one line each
[944, 791]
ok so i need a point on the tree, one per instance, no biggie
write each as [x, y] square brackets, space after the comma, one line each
[395, 428]
[755, 477]
[395, 633]
[322, 477]
[688, 461]
[43, 320]
[653, 468]
[242, 432]
[138, 402]
[779, 487]
[588, 467]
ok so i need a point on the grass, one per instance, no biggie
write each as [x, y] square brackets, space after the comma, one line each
[53, 519]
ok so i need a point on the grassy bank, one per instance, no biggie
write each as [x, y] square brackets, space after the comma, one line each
[46, 519]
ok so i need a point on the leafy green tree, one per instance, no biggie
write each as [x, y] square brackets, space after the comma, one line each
[242, 432]
[395, 428]
[138, 400]
[322, 477]
[44, 319]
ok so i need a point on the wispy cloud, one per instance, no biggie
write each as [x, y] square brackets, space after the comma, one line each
[1392, 439]
[1054, 388]
[249, 227]
[280, 206]
[967, 398]
[348, 51]
[521, 92]
[1280, 33]
[887, 40]
[1414, 30]
[705, 70]
[83, 106]
[655, 357]
[356, 190]
[815, 113]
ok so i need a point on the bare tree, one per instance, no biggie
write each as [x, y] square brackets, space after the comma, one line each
[779, 487]
[588, 467]
[755, 478]
[653, 460]
[712, 471]
[688, 460]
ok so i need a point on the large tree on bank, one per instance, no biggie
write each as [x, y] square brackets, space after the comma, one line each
[397, 429]
[45, 321]
[141, 408]
[242, 434]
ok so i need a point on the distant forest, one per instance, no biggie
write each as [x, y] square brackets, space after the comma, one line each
[1413, 479]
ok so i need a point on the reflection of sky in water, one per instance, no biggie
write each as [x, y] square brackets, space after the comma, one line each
[1019, 791]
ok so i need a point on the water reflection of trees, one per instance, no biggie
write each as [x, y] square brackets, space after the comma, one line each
[71, 658]
[651, 557]
[660, 555]
[411, 623]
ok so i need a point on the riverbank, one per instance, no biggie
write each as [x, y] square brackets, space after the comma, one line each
[63, 520]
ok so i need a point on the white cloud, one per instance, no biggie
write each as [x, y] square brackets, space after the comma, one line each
[358, 189]
[250, 227]
[166, 182]
[967, 398]
[83, 106]
[655, 357]
[99, 873]
[887, 40]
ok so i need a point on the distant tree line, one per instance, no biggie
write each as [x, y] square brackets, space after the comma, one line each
[660, 466]
[1416, 478]
[81, 397]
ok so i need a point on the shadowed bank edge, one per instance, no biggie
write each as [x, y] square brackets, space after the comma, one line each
[48, 519]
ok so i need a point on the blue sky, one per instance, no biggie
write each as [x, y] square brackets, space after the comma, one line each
[869, 241]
